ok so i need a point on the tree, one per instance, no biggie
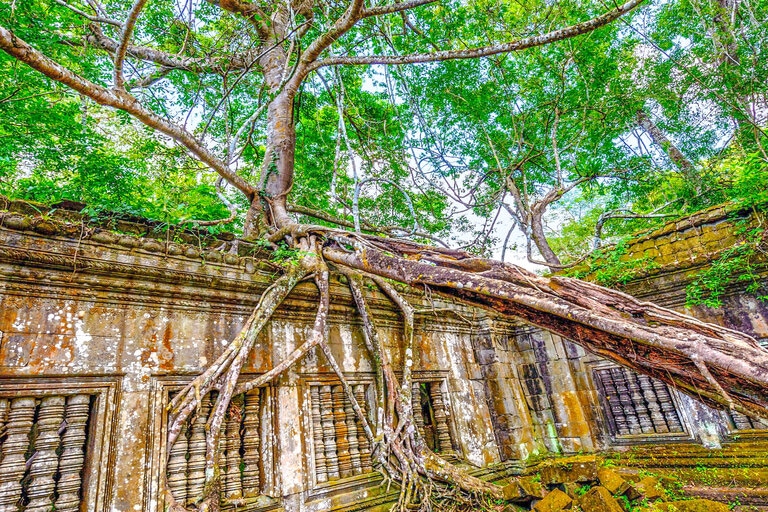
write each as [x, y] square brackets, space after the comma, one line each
[518, 134]
[230, 63]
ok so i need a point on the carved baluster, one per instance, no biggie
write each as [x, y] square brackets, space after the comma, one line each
[196, 462]
[443, 432]
[418, 412]
[625, 399]
[252, 443]
[354, 451]
[72, 455]
[321, 473]
[177, 466]
[45, 462]
[740, 421]
[329, 437]
[4, 406]
[654, 408]
[362, 440]
[638, 400]
[340, 427]
[233, 486]
[667, 406]
[612, 396]
[13, 465]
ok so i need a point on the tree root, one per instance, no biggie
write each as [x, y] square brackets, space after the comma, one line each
[222, 376]
[604, 321]
[403, 455]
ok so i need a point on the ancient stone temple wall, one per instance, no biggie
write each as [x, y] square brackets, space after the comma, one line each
[632, 407]
[98, 329]
[100, 326]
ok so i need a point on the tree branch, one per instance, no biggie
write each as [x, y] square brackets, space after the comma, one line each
[98, 39]
[125, 38]
[120, 100]
[94, 19]
[484, 51]
[395, 7]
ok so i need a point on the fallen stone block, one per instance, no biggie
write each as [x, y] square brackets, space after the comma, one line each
[523, 490]
[573, 489]
[612, 481]
[555, 501]
[648, 488]
[599, 499]
[693, 506]
[573, 469]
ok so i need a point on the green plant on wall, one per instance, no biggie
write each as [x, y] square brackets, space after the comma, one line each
[735, 265]
[609, 266]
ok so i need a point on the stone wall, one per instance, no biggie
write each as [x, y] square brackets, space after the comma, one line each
[676, 253]
[101, 323]
[672, 257]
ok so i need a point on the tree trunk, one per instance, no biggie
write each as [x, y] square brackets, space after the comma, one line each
[540, 239]
[281, 141]
[660, 139]
[721, 367]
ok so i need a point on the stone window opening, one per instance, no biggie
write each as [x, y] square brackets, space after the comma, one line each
[740, 422]
[341, 448]
[636, 405]
[242, 471]
[431, 416]
[43, 447]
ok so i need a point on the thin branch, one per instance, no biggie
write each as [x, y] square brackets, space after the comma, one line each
[484, 51]
[125, 39]
[621, 214]
[224, 199]
[120, 100]
[356, 199]
[395, 7]
[94, 19]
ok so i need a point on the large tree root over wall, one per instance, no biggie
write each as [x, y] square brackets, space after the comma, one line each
[720, 366]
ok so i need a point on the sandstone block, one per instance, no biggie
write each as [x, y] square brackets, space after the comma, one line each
[523, 490]
[647, 488]
[555, 501]
[693, 506]
[599, 499]
[612, 481]
[575, 469]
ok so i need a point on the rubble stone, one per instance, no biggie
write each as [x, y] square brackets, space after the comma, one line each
[612, 481]
[599, 499]
[555, 501]
[649, 489]
[571, 469]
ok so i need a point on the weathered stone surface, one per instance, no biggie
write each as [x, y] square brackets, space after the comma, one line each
[554, 501]
[612, 481]
[599, 499]
[524, 490]
[648, 488]
[569, 469]
[693, 506]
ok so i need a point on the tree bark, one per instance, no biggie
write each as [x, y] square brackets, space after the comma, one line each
[540, 239]
[661, 140]
[721, 367]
